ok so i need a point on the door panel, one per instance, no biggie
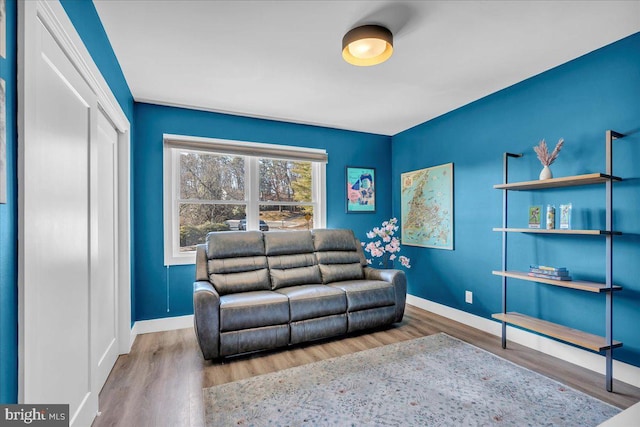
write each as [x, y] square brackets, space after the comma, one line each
[104, 293]
[72, 255]
[56, 235]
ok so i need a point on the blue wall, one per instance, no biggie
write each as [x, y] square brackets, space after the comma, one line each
[577, 101]
[9, 227]
[344, 148]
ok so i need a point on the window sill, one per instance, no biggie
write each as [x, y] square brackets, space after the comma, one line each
[184, 258]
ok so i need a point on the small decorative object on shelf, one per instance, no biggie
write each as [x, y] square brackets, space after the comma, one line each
[384, 246]
[547, 159]
[551, 217]
[534, 216]
[565, 216]
[546, 272]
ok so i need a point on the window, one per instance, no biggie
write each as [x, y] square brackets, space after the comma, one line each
[221, 185]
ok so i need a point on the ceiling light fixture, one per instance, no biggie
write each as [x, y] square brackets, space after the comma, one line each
[367, 45]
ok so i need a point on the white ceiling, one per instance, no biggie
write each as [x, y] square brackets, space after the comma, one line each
[282, 59]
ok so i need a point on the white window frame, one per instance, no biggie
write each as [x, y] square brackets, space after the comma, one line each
[174, 144]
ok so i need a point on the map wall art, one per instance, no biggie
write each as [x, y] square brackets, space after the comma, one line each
[427, 207]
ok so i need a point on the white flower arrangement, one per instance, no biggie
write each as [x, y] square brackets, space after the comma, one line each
[384, 246]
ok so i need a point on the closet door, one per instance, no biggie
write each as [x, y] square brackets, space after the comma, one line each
[73, 210]
[55, 246]
[103, 236]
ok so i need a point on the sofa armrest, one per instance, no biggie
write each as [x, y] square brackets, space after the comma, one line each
[201, 263]
[206, 318]
[399, 281]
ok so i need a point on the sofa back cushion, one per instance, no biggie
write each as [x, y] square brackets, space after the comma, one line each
[337, 255]
[236, 262]
[291, 259]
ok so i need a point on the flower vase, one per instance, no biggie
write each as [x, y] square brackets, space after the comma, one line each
[545, 173]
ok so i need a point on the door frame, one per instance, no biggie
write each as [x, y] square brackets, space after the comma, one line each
[57, 22]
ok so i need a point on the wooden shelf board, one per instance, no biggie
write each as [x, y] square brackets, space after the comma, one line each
[571, 284]
[557, 231]
[563, 333]
[565, 181]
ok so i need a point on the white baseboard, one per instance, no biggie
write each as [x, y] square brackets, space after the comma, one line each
[621, 371]
[160, 325]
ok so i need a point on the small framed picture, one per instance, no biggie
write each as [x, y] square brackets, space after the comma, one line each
[565, 216]
[361, 189]
[534, 216]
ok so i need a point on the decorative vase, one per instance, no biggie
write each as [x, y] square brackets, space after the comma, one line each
[545, 173]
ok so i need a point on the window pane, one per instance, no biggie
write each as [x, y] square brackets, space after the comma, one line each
[286, 217]
[211, 176]
[285, 181]
[196, 220]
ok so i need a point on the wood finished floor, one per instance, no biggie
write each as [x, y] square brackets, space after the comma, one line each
[160, 382]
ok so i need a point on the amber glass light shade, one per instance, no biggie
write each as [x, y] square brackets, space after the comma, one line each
[367, 45]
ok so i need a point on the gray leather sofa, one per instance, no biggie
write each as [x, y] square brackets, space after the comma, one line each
[261, 290]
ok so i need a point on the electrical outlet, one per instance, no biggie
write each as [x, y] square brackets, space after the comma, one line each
[468, 297]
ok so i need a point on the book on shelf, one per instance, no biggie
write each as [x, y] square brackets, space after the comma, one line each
[549, 272]
[547, 268]
[548, 276]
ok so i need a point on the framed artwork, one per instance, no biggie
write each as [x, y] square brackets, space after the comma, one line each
[361, 189]
[535, 213]
[427, 207]
[3, 144]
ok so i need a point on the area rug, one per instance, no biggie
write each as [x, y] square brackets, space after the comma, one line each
[432, 381]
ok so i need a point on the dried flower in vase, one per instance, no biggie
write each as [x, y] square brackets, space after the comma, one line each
[543, 152]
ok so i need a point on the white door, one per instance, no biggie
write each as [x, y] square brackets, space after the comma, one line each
[104, 290]
[73, 229]
[54, 256]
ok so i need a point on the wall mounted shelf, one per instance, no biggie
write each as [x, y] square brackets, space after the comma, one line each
[565, 181]
[571, 284]
[573, 336]
[556, 231]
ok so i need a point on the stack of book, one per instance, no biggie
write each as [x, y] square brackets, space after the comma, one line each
[545, 272]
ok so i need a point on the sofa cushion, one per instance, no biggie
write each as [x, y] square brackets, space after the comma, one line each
[236, 262]
[257, 280]
[365, 294]
[340, 272]
[281, 278]
[288, 242]
[236, 265]
[334, 240]
[231, 244]
[309, 301]
[337, 255]
[253, 309]
[291, 259]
